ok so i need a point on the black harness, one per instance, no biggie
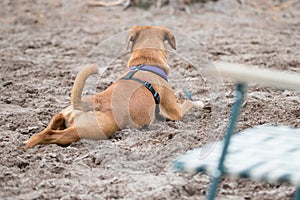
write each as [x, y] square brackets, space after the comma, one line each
[129, 76]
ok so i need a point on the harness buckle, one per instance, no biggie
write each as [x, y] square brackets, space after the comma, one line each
[148, 85]
[156, 98]
[152, 90]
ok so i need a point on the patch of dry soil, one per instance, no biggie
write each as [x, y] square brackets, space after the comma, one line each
[43, 44]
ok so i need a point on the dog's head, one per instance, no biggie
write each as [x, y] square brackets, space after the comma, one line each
[147, 45]
[150, 37]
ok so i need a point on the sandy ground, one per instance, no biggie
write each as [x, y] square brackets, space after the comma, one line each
[43, 44]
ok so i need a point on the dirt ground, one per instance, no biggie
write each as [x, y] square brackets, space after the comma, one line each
[43, 44]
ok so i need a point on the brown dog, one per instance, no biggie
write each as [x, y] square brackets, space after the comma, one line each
[136, 100]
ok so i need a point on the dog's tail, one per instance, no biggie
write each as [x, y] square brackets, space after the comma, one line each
[78, 87]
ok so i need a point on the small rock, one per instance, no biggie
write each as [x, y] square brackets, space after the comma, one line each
[7, 83]
[22, 163]
[32, 128]
[23, 131]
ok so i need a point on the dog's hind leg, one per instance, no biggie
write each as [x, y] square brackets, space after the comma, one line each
[57, 122]
[59, 137]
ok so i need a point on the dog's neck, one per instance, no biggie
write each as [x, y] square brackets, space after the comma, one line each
[149, 57]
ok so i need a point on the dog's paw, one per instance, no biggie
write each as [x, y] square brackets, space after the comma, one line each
[22, 146]
[199, 104]
[204, 105]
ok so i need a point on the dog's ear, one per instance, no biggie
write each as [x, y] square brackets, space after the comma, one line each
[169, 36]
[132, 36]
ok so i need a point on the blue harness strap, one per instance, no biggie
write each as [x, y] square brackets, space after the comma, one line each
[129, 76]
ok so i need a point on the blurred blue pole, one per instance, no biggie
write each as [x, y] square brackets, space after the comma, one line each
[235, 112]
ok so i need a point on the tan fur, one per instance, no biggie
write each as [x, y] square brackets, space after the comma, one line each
[125, 103]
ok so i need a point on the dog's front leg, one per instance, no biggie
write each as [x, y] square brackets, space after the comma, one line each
[175, 107]
[187, 105]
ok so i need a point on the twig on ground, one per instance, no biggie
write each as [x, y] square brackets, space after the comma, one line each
[283, 5]
[106, 4]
